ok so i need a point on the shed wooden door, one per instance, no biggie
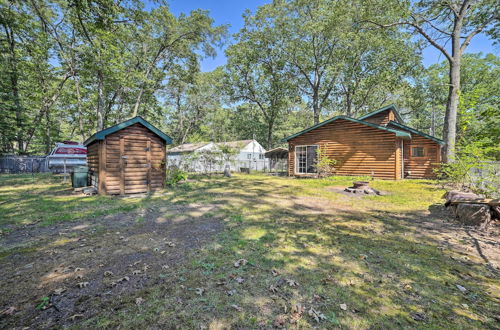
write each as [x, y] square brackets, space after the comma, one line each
[136, 165]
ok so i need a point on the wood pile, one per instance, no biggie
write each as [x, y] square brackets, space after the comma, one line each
[472, 210]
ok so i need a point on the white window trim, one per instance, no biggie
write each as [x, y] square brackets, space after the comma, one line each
[297, 158]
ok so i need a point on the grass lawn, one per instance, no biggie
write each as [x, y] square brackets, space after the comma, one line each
[284, 252]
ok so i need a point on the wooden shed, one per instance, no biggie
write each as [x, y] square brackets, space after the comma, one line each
[377, 144]
[127, 158]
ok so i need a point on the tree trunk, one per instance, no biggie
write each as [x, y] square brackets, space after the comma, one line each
[48, 141]
[14, 78]
[138, 103]
[450, 121]
[433, 122]
[17, 104]
[348, 105]
[79, 107]
[270, 135]
[316, 109]
[100, 101]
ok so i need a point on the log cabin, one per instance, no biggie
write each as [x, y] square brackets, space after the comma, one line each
[127, 158]
[377, 144]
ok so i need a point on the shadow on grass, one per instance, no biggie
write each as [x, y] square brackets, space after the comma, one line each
[390, 270]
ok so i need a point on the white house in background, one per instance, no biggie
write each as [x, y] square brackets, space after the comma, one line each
[190, 156]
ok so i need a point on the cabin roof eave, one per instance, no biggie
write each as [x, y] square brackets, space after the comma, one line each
[401, 134]
[388, 107]
[414, 131]
[138, 119]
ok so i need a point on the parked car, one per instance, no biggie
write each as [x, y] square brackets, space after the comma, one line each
[66, 155]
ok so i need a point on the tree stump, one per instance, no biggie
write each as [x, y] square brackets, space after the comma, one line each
[473, 214]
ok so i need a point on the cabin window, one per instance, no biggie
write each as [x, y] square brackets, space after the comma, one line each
[249, 156]
[417, 151]
[306, 159]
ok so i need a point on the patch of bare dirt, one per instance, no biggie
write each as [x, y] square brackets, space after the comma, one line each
[76, 268]
[474, 244]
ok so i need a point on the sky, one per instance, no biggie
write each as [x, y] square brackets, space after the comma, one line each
[230, 12]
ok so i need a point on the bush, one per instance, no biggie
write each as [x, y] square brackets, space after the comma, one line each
[325, 165]
[175, 175]
[471, 170]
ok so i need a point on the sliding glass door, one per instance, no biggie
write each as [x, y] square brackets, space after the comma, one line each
[306, 158]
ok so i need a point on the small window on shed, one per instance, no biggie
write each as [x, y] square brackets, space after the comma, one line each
[417, 151]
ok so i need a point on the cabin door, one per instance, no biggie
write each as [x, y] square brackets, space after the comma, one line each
[136, 165]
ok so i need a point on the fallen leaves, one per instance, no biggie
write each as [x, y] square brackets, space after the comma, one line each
[418, 316]
[275, 272]
[59, 291]
[240, 280]
[297, 311]
[75, 316]
[280, 321]
[240, 262]
[199, 291]
[82, 285]
[136, 272]
[343, 307]
[273, 288]
[139, 301]
[108, 273]
[238, 308]
[231, 292]
[461, 288]
[316, 315]
[221, 282]
[9, 311]
[292, 283]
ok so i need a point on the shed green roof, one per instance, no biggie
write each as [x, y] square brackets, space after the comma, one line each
[102, 134]
[397, 132]
[389, 107]
[414, 131]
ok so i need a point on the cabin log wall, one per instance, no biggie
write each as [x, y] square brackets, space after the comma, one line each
[421, 167]
[357, 148]
[382, 118]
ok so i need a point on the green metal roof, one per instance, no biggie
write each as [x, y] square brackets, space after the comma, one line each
[414, 131]
[398, 133]
[391, 106]
[102, 134]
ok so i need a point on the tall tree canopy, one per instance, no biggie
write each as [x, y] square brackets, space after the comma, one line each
[449, 26]
[72, 67]
[68, 68]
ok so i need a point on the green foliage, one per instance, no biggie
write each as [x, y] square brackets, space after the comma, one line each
[471, 169]
[44, 302]
[175, 175]
[68, 70]
[325, 164]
